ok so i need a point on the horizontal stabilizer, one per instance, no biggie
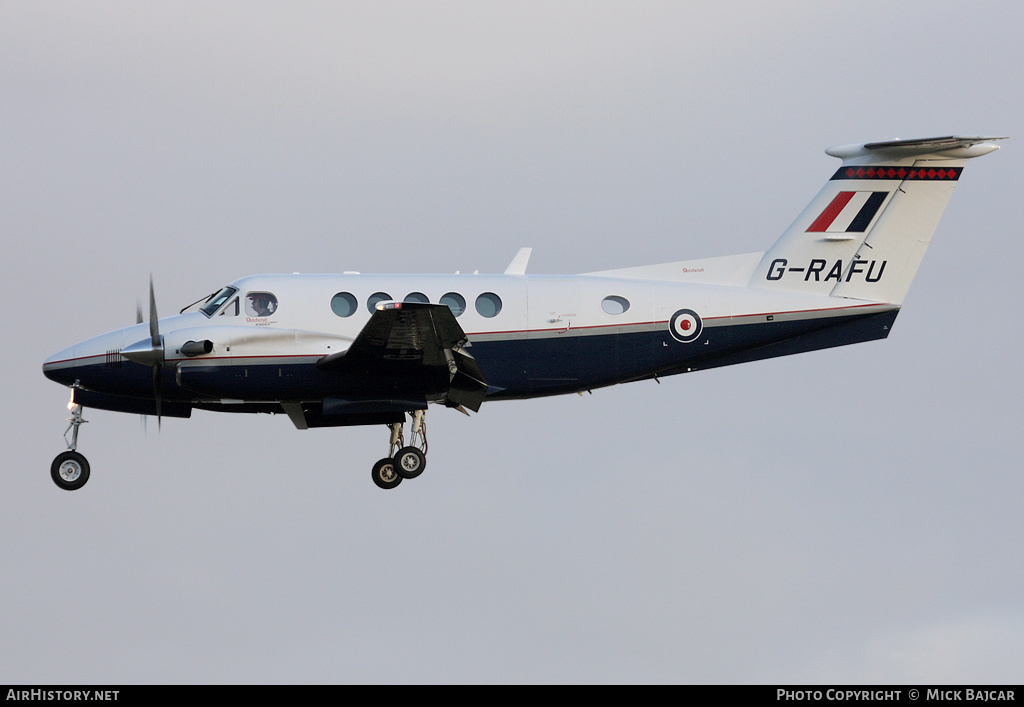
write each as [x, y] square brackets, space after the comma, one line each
[950, 147]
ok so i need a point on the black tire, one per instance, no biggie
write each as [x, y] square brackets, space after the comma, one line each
[410, 462]
[384, 474]
[69, 470]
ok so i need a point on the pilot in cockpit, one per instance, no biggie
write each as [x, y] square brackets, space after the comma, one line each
[261, 303]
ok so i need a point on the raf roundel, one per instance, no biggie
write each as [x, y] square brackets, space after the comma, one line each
[685, 326]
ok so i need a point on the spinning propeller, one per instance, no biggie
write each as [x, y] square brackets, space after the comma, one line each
[149, 352]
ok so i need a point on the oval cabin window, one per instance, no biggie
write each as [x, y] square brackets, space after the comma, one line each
[375, 299]
[613, 304]
[455, 302]
[344, 304]
[488, 305]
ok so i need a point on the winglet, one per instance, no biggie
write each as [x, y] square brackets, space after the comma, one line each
[518, 264]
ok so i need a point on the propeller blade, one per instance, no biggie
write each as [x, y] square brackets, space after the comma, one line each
[156, 392]
[157, 346]
[138, 312]
[154, 326]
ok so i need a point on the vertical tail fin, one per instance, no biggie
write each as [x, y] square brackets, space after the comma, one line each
[866, 232]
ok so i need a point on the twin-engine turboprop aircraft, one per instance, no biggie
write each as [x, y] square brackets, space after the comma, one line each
[352, 349]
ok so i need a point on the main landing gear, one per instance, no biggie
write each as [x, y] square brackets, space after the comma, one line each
[407, 462]
[70, 470]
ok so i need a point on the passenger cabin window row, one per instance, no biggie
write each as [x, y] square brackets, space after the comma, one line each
[345, 304]
[488, 304]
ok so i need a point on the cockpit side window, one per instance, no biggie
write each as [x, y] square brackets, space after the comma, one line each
[216, 300]
[260, 304]
[231, 310]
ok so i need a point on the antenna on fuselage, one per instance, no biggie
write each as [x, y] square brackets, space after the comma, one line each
[518, 264]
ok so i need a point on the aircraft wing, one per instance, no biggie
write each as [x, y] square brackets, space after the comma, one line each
[411, 349]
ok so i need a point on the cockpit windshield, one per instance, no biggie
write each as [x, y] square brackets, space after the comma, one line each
[216, 300]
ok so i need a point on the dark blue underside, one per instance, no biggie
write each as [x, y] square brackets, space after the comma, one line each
[553, 366]
[515, 369]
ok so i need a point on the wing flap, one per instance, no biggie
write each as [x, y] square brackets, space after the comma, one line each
[412, 349]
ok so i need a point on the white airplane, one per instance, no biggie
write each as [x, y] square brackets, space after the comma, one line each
[353, 349]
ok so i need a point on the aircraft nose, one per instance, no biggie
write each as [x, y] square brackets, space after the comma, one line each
[97, 364]
[60, 367]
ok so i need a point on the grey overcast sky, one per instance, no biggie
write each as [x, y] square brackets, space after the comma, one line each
[846, 516]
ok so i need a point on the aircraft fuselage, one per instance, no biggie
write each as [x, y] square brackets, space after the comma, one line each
[552, 335]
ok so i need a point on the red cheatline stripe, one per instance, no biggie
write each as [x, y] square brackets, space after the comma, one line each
[317, 355]
[822, 223]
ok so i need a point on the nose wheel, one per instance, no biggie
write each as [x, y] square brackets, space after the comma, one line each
[405, 461]
[70, 469]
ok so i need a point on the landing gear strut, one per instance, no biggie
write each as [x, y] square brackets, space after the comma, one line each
[408, 461]
[70, 470]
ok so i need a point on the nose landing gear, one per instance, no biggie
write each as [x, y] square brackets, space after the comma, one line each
[407, 462]
[70, 470]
